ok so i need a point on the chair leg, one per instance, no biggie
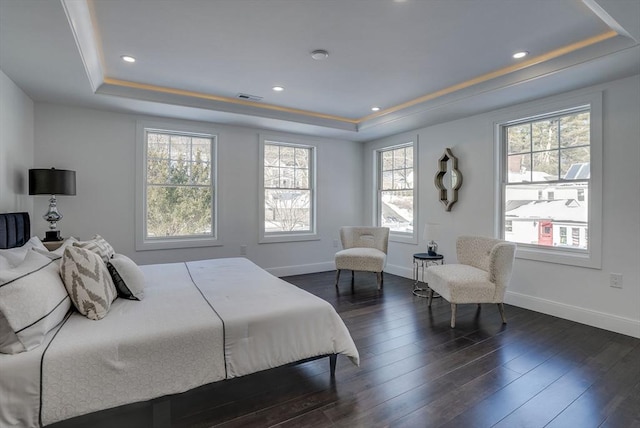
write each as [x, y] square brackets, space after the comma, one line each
[353, 273]
[337, 277]
[429, 297]
[453, 315]
[502, 314]
[379, 275]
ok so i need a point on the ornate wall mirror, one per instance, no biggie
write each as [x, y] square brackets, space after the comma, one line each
[448, 180]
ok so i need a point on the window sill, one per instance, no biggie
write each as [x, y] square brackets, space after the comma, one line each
[269, 239]
[402, 238]
[560, 256]
[167, 244]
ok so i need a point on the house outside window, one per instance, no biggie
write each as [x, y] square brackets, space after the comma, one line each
[176, 188]
[288, 195]
[553, 153]
[508, 226]
[395, 195]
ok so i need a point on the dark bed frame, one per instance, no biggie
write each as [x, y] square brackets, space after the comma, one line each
[15, 231]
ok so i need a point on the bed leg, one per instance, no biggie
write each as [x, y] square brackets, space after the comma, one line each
[161, 413]
[333, 359]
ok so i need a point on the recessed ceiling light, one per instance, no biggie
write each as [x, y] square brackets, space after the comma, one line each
[375, 108]
[278, 88]
[128, 58]
[521, 54]
[319, 54]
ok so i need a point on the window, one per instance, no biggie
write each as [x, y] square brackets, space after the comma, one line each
[563, 236]
[288, 197]
[395, 200]
[554, 154]
[176, 191]
[508, 226]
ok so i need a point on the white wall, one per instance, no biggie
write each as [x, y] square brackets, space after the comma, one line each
[100, 147]
[16, 147]
[580, 294]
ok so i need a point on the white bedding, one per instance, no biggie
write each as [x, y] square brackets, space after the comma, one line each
[171, 341]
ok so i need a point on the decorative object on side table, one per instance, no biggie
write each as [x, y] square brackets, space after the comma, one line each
[431, 234]
[52, 182]
[448, 180]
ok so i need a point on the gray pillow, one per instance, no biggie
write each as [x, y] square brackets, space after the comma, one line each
[88, 282]
[127, 277]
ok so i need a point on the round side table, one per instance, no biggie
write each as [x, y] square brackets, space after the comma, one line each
[421, 261]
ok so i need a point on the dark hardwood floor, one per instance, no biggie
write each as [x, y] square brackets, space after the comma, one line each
[415, 371]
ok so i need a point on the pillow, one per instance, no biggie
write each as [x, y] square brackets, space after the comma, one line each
[88, 282]
[4, 263]
[127, 277]
[99, 246]
[57, 253]
[15, 256]
[33, 300]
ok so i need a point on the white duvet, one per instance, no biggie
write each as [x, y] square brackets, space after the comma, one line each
[200, 322]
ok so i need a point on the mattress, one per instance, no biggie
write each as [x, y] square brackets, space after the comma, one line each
[200, 322]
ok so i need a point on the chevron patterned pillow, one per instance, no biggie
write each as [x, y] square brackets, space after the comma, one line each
[88, 282]
[99, 246]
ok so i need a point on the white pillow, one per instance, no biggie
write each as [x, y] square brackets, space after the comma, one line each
[127, 277]
[57, 253]
[15, 256]
[88, 282]
[33, 300]
[4, 263]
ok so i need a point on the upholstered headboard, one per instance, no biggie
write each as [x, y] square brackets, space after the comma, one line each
[15, 229]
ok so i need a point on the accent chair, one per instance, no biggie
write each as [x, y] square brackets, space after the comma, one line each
[364, 249]
[481, 275]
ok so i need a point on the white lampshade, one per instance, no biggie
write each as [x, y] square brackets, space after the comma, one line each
[431, 232]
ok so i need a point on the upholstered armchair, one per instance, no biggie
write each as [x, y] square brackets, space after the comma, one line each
[481, 275]
[364, 249]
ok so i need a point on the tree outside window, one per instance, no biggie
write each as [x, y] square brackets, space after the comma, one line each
[179, 186]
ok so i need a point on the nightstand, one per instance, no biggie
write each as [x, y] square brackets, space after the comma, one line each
[52, 245]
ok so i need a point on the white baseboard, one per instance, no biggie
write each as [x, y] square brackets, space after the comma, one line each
[302, 269]
[611, 322]
[402, 271]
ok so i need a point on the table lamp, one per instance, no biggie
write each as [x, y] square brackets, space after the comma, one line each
[52, 182]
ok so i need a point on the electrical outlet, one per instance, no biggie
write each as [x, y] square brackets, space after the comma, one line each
[335, 243]
[615, 280]
[243, 250]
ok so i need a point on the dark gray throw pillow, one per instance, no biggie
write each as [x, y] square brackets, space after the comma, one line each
[127, 277]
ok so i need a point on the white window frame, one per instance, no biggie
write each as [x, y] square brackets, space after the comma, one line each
[282, 236]
[395, 236]
[591, 258]
[142, 242]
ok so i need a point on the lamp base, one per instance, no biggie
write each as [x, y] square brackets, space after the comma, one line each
[52, 235]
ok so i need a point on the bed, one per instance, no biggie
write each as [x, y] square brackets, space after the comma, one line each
[199, 322]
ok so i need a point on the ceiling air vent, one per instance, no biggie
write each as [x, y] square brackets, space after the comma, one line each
[249, 97]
